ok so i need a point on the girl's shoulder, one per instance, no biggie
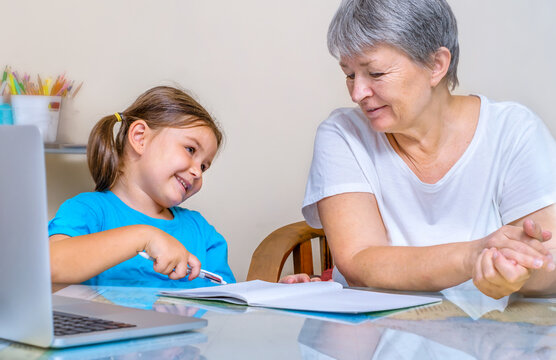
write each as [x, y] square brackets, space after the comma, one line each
[185, 213]
[91, 199]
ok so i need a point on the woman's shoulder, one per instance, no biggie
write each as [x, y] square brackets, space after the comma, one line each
[344, 115]
[346, 122]
[511, 123]
[509, 113]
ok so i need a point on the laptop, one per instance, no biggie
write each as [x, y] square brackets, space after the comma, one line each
[28, 310]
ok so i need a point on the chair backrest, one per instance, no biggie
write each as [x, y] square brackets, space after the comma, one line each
[271, 254]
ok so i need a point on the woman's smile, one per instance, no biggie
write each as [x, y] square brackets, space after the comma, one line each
[373, 111]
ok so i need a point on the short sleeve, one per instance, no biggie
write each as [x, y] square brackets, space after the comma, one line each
[337, 164]
[75, 217]
[216, 250]
[529, 183]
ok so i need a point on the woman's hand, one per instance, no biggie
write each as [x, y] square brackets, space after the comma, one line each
[503, 270]
[298, 278]
[496, 276]
[523, 245]
[171, 257]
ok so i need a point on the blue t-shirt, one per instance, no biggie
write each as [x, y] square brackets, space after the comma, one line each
[93, 212]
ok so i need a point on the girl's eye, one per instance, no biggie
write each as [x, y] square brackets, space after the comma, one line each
[190, 149]
[203, 167]
[376, 75]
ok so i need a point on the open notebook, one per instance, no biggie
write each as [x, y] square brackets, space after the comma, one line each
[28, 312]
[322, 296]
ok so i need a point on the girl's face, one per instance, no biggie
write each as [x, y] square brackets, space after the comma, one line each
[389, 87]
[174, 161]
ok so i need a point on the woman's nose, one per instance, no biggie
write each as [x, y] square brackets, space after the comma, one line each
[359, 89]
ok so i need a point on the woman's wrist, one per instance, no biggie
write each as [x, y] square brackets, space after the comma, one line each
[474, 249]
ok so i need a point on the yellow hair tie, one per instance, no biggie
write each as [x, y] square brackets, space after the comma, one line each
[118, 116]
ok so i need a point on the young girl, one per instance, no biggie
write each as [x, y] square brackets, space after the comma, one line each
[164, 144]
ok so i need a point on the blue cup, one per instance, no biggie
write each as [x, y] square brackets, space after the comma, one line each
[6, 117]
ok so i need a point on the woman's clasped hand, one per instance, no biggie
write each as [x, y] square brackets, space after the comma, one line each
[507, 258]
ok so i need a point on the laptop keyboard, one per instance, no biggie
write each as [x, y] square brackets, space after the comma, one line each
[71, 324]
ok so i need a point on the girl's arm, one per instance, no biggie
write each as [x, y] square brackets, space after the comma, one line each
[359, 244]
[79, 258]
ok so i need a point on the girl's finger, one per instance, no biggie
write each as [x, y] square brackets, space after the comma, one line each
[179, 272]
[163, 267]
[194, 266]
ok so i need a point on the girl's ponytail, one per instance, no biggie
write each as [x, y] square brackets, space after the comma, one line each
[104, 152]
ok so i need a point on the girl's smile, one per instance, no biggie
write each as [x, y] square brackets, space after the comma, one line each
[185, 184]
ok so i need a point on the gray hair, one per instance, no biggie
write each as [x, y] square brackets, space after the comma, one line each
[417, 27]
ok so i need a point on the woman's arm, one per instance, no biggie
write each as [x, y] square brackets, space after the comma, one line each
[359, 244]
[79, 258]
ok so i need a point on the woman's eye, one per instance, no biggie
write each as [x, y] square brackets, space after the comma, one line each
[376, 75]
[350, 76]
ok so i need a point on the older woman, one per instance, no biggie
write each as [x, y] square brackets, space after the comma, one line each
[419, 189]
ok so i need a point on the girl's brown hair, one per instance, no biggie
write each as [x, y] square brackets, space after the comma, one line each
[159, 107]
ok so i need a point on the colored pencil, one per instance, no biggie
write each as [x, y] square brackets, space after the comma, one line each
[23, 85]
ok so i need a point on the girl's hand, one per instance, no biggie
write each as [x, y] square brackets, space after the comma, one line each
[171, 257]
[496, 276]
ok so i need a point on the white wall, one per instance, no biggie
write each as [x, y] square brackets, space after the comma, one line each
[262, 68]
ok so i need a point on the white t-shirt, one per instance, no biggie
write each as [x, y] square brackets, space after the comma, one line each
[507, 172]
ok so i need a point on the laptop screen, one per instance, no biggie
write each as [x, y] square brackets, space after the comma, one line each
[24, 270]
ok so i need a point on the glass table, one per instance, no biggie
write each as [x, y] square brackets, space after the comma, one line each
[525, 330]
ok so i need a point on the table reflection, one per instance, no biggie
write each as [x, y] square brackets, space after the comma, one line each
[179, 346]
[526, 330]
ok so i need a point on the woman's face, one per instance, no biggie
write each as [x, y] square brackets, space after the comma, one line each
[392, 90]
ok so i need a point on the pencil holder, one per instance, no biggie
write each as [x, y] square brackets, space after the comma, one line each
[39, 110]
[6, 114]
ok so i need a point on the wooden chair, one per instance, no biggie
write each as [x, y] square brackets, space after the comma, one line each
[269, 257]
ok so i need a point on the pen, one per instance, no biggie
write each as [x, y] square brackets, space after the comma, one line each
[203, 274]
